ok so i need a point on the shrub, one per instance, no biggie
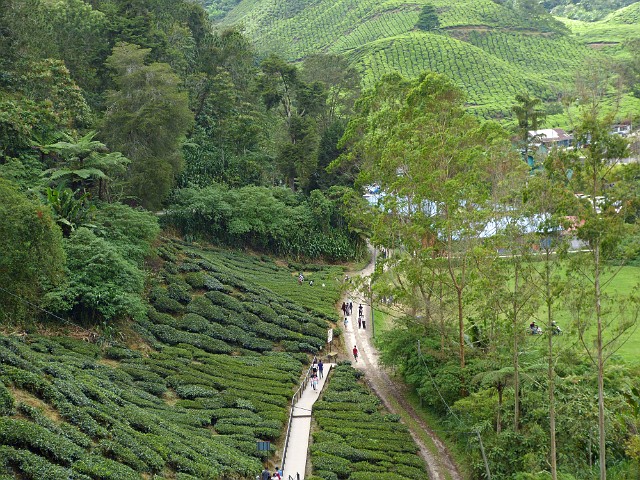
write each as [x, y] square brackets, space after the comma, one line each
[195, 279]
[20, 433]
[163, 303]
[120, 353]
[180, 292]
[6, 401]
[100, 468]
[102, 282]
[378, 476]
[32, 466]
[226, 301]
[340, 466]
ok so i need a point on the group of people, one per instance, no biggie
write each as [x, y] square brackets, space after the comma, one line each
[317, 368]
[266, 475]
[534, 329]
[317, 371]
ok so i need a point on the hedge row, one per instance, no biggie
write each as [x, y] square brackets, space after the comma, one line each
[355, 440]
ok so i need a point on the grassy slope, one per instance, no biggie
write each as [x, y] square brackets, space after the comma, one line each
[185, 395]
[484, 46]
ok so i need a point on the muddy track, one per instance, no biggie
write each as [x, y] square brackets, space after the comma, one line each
[440, 463]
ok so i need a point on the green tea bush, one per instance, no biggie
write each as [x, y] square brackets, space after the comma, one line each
[180, 292]
[29, 381]
[326, 475]
[172, 336]
[120, 353]
[205, 308]
[6, 401]
[163, 303]
[66, 430]
[195, 279]
[23, 434]
[379, 476]
[352, 429]
[29, 465]
[10, 358]
[338, 465]
[226, 301]
[101, 468]
[195, 391]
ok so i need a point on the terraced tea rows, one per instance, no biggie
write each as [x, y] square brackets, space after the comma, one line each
[355, 439]
[220, 360]
[492, 51]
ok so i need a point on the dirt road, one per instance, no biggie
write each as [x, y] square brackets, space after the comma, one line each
[439, 461]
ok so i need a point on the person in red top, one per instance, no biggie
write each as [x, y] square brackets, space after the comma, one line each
[355, 352]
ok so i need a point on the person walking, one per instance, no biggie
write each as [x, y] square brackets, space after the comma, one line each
[350, 307]
[355, 353]
[364, 323]
[314, 381]
[320, 369]
[359, 322]
[265, 475]
[344, 308]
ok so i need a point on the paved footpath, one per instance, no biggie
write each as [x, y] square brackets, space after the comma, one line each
[296, 461]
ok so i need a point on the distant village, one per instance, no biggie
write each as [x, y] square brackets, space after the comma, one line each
[543, 141]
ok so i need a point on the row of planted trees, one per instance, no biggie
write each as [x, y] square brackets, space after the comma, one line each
[481, 247]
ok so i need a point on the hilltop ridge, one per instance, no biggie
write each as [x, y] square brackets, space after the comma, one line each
[492, 50]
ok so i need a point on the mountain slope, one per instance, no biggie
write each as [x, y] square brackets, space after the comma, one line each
[491, 50]
[189, 390]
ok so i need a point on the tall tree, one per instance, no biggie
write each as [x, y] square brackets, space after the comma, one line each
[530, 117]
[437, 168]
[147, 117]
[600, 225]
[298, 104]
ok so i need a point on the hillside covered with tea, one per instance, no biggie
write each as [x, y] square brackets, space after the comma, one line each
[493, 49]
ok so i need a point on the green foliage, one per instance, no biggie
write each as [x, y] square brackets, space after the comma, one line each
[101, 284]
[588, 11]
[146, 129]
[360, 442]
[82, 165]
[428, 19]
[32, 257]
[70, 212]
[520, 47]
[135, 414]
[271, 220]
[6, 401]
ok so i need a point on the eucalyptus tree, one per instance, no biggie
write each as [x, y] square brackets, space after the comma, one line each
[547, 198]
[604, 319]
[437, 168]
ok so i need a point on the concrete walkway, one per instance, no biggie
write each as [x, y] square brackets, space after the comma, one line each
[300, 428]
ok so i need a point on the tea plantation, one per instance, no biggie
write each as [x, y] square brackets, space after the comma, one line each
[492, 51]
[355, 440]
[185, 395]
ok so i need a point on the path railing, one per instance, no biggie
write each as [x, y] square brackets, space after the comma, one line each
[296, 396]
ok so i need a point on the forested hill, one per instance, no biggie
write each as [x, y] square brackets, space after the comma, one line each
[493, 48]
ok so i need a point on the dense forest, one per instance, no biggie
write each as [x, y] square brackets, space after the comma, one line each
[111, 110]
